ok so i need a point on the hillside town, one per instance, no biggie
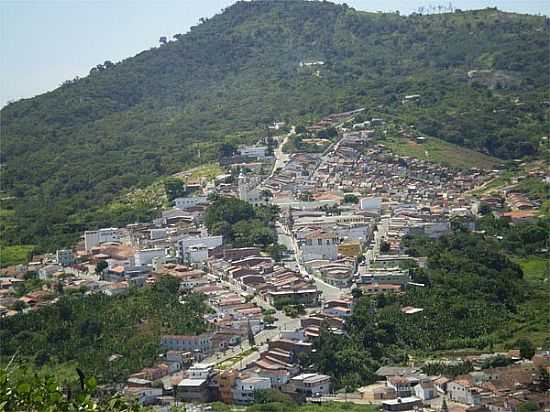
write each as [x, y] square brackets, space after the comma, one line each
[342, 216]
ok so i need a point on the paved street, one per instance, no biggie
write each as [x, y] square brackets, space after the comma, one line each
[285, 238]
[283, 323]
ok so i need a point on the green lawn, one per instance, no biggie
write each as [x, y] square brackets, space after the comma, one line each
[439, 151]
[14, 255]
[228, 363]
[534, 268]
[532, 320]
[209, 171]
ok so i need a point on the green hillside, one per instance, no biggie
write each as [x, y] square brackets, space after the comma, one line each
[69, 152]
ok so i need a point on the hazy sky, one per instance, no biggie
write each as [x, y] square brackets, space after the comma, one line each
[44, 42]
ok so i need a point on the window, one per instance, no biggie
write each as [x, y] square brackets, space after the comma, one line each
[320, 242]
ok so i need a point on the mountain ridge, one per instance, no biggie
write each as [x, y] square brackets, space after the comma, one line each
[129, 123]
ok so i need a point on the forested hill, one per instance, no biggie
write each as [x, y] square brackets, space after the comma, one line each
[67, 153]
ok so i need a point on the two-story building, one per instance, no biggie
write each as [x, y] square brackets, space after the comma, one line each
[311, 384]
[462, 391]
[200, 343]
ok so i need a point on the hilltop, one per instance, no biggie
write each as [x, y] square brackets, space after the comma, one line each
[67, 153]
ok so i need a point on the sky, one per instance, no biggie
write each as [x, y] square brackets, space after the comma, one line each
[45, 42]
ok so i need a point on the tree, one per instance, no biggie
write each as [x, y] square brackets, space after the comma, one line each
[270, 396]
[59, 286]
[19, 305]
[269, 319]
[484, 209]
[350, 198]
[226, 150]
[526, 348]
[101, 266]
[356, 293]
[174, 188]
[20, 391]
[299, 129]
[529, 406]
[266, 195]
[277, 251]
[251, 339]
[305, 196]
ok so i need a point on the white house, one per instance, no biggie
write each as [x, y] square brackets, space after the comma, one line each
[159, 233]
[200, 343]
[311, 384]
[425, 390]
[370, 203]
[204, 240]
[249, 192]
[93, 238]
[319, 244]
[257, 152]
[48, 271]
[245, 388]
[200, 371]
[145, 257]
[462, 391]
[390, 276]
[186, 202]
[196, 254]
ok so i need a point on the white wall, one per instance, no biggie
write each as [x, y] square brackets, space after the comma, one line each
[208, 241]
[145, 257]
[185, 202]
[370, 203]
[253, 151]
[93, 238]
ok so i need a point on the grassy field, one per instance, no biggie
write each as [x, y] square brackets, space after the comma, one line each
[208, 171]
[534, 268]
[14, 255]
[532, 320]
[439, 151]
[228, 363]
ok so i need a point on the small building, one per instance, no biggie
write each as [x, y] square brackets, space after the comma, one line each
[201, 343]
[48, 271]
[145, 257]
[311, 384]
[307, 297]
[94, 238]
[191, 201]
[401, 404]
[350, 248]
[462, 391]
[401, 384]
[193, 390]
[319, 244]
[226, 380]
[64, 257]
[425, 390]
[256, 152]
[245, 388]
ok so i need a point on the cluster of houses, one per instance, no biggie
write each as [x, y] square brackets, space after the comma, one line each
[344, 214]
[178, 376]
[499, 389]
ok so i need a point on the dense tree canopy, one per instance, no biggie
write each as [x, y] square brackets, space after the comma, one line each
[89, 329]
[242, 224]
[472, 293]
